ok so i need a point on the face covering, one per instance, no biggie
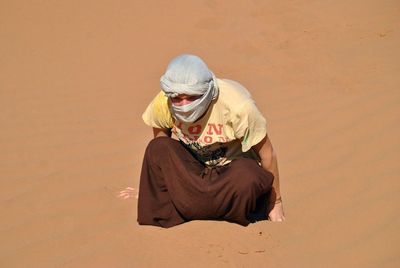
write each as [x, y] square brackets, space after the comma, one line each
[188, 74]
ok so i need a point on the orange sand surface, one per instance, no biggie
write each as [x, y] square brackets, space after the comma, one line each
[75, 77]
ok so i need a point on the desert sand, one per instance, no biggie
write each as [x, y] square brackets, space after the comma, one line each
[75, 77]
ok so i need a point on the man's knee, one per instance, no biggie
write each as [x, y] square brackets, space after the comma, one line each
[246, 168]
[249, 176]
[159, 144]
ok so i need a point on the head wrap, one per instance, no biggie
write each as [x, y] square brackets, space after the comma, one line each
[188, 74]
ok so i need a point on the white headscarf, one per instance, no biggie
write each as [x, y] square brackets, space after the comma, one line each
[188, 74]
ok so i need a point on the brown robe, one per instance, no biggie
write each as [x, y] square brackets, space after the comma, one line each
[175, 187]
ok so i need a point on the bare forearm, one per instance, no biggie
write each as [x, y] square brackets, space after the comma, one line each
[269, 162]
[271, 165]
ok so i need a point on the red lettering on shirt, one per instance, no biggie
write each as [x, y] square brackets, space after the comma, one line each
[208, 139]
[194, 129]
[212, 127]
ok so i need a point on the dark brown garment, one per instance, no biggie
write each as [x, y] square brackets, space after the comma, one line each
[175, 188]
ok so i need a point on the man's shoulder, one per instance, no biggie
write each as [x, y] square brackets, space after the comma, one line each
[232, 93]
[157, 113]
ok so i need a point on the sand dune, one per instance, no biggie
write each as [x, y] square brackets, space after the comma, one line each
[76, 76]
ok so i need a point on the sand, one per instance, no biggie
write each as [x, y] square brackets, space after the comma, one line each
[75, 77]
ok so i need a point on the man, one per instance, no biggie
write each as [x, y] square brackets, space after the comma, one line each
[210, 158]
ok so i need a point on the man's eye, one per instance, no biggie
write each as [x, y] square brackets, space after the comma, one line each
[193, 98]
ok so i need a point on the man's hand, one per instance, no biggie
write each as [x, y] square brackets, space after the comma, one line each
[277, 213]
[128, 192]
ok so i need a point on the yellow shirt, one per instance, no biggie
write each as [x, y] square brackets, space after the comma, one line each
[229, 128]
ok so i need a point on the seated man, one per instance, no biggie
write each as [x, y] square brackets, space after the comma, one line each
[210, 158]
